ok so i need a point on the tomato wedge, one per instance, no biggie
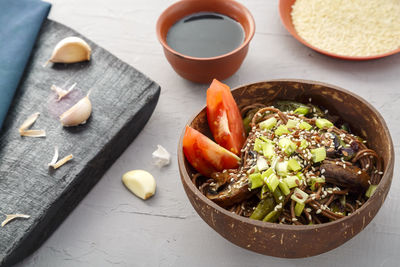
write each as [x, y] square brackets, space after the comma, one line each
[224, 117]
[205, 155]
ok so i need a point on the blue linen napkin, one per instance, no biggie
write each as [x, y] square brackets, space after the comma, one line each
[20, 22]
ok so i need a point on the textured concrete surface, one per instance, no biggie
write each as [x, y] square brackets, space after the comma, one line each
[111, 227]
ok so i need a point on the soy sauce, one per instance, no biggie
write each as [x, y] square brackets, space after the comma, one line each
[205, 34]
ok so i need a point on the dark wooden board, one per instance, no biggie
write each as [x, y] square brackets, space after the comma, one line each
[123, 100]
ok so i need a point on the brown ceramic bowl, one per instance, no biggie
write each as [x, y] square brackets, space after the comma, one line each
[203, 70]
[293, 241]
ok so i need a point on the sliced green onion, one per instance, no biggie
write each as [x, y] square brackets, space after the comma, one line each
[268, 150]
[303, 143]
[305, 126]
[282, 129]
[290, 181]
[272, 216]
[255, 180]
[291, 124]
[323, 123]
[262, 163]
[278, 196]
[302, 110]
[298, 208]
[293, 165]
[272, 182]
[258, 145]
[318, 154]
[284, 188]
[371, 190]
[299, 196]
[268, 124]
[263, 208]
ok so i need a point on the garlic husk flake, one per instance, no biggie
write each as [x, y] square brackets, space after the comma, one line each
[71, 50]
[161, 156]
[62, 92]
[78, 113]
[33, 133]
[55, 157]
[10, 217]
[29, 121]
[23, 129]
[62, 161]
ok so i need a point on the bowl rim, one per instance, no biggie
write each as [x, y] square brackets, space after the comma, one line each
[248, 38]
[301, 40]
[386, 178]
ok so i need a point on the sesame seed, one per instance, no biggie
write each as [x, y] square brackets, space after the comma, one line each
[322, 171]
[308, 209]
[380, 173]
[318, 211]
[294, 219]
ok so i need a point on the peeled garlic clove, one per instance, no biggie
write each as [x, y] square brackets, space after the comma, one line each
[71, 50]
[78, 113]
[140, 182]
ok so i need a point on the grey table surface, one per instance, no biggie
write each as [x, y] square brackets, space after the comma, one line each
[111, 227]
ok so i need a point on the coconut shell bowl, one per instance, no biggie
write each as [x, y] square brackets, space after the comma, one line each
[297, 241]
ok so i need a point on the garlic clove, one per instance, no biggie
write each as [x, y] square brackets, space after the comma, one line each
[11, 217]
[71, 50]
[78, 113]
[141, 183]
[161, 156]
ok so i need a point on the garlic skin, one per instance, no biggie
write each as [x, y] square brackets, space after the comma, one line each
[71, 50]
[161, 157]
[11, 217]
[62, 92]
[141, 183]
[23, 129]
[78, 113]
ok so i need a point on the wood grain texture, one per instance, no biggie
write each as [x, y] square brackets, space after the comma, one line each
[123, 100]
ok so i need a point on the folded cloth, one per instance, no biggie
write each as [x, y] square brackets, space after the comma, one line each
[20, 22]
